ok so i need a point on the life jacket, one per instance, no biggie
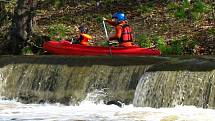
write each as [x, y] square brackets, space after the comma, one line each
[126, 35]
[84, 39]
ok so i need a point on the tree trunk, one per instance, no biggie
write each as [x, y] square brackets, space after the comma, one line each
[21, 25]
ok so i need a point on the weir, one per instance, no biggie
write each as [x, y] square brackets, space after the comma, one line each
[143, 81]
[171, 88]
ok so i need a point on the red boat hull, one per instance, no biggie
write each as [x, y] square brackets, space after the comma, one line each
[65, 48]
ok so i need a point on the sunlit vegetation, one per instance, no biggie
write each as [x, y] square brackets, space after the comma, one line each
[176, 28]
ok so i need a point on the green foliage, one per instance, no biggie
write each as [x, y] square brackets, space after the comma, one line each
[99, 18]
[157, 41]
[211, 31]
[6, 12]
[144, 41]
[144, 8]
[105, 44]
[178, 46]
[197, 13]
[27, 50]
[58, 3]
[172, 6]
[108, 44]
[183, 11]
[9, 7]
[199, 9]
[58, 31]
[160, 43]
[177, 9]
[186, 4]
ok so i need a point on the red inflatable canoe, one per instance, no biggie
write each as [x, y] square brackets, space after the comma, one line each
[66, 48]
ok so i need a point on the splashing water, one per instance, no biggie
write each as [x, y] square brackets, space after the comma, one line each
[12, 110]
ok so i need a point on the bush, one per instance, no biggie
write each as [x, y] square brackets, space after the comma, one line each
[144, 41]
[199, 9]
[58, 32]
[183, 11]
[160, 43]
[27, 50]
[177, 9]
[182, 45]
[178, 46]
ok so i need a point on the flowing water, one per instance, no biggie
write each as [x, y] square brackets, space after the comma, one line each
[84, 89]
[91, 109]
[12, 110]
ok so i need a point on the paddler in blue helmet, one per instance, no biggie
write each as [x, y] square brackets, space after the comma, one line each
[124, 34]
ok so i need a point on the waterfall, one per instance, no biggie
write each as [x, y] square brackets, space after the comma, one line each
[39, 82]
[143, 81]
[171, 88]
[4, 75]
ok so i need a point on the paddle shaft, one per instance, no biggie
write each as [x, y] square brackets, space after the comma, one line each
[107, 37]
[105, 30]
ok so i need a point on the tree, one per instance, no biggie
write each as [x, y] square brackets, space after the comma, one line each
[21, 27]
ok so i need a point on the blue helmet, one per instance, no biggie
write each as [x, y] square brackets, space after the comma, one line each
[120, 16]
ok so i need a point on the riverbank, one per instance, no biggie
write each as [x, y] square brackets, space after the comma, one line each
[177, 28]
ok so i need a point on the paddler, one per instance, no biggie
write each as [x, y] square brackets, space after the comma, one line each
[124, 33]
[83, 38]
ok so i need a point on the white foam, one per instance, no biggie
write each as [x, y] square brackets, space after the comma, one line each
[12, 110]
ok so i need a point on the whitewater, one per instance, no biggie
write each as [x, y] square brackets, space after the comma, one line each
[88, 111]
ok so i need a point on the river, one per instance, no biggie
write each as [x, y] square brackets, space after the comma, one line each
[52, 88]
[13, 110]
